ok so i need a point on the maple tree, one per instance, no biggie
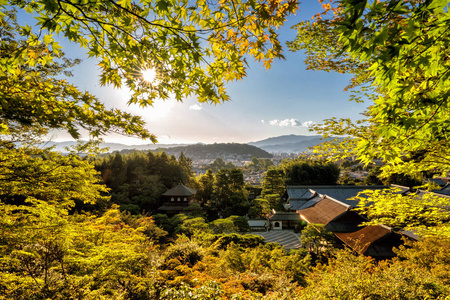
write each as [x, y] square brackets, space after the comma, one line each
[193, 47]
[396, 51]
[36, 98]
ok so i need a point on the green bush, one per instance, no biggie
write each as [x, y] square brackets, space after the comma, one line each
[244, 241]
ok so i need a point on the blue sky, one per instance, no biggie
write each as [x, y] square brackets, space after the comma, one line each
[267, 103]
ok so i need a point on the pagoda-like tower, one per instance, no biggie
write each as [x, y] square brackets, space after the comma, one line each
[177, 199]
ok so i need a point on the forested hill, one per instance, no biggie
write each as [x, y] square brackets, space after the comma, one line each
[290, 143]
[218, 150]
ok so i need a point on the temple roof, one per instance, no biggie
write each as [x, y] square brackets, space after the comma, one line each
[374, 240]
[339, 192]
[325, 211]
[180, 190]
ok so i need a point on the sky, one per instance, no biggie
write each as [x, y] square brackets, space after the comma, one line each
[280, 101]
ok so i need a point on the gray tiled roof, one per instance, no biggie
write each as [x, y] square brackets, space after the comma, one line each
[403, 189]
[180, 190]
[339, 192]
[438, 181]
[293, 205]
[344, 193]
[311, 202]
[285, 216]
[444, 191]
[299, 192]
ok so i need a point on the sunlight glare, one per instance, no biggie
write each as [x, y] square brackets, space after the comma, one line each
[149, 75]
[159, 110]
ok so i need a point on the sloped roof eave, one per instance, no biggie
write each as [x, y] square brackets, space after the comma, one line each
[180, 190]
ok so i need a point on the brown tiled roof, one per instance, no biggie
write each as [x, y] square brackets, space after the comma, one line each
[376, 241]
[347, 222]
[325, 211]
[180, 190]
[362, 238]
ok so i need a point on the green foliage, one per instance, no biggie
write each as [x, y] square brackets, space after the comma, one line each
[409, 66]
[373, 177]
[209, 291]
[219, 164]
[195, 48]
[262, 164]
[310, 172]
[263, 259]
[429, 254]
[244, 241]
[424, 213]
[357, 277]
[346, 179]
[186, 251]
[195, 210]
[54, 256]
[317, 240]
[230, 196]
[403, 180]
[396, 52]
[186, 172]
[241, 223]
[223, 226]
[140, 178]
[191, 226]
[274, 182]
[162, 221]
[36, 99]
[36, 177]
[259, 208]
[275, 201]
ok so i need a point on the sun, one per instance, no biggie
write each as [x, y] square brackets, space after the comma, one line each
[149, 75]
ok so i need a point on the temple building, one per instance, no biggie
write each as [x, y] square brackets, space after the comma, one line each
[177, 199]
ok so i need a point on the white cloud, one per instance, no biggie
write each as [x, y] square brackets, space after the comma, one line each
[195, 107]
[286, 122]
[308, 123]
[290, 122]
[262, 121]
[273, 122]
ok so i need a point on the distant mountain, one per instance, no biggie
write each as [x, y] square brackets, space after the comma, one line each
[289, 143]
[197, 151]
[59, 146]
[286, 143]
[217, 150]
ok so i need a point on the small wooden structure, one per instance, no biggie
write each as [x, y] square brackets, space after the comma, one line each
[177, 199]
[258, 224]
[284, 220]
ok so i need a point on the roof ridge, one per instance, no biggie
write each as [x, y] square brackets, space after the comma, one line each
[335, 200]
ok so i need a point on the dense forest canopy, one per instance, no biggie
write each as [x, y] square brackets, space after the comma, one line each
[219, 150]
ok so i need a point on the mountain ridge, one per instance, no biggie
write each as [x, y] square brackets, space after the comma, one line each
[285, 143]
[289, 143]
